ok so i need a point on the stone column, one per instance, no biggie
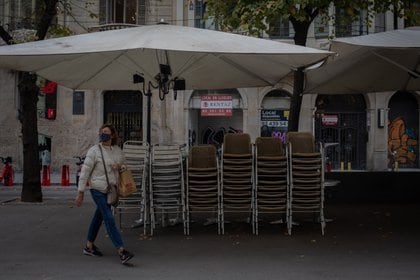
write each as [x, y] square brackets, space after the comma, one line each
[380, 134]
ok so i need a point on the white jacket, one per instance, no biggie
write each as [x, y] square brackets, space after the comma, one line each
[93, 168]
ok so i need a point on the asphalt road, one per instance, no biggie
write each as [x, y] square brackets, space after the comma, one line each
[367, 241]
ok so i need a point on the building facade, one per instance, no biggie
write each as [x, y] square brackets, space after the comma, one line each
[364, 132]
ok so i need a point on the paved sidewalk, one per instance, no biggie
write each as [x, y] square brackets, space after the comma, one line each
[45, 240]
[55, 178]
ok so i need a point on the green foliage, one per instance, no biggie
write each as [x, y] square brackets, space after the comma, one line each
[29, 35]
[254, 16]
[57, 30]
[23, 36]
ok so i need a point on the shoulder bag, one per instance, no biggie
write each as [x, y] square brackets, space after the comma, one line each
[112, 190]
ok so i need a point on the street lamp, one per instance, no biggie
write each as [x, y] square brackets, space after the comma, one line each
[164, 83]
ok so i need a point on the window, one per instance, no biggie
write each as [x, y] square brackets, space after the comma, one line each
[18, 14]
[78, 103]
[379, 22]
[280, 29]
[2, 15]
[344, 28]
[321, 27]
[27, 13]
[200, 8]
[122, 11]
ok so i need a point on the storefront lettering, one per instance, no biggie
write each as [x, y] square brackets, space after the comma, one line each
[216, 105]
[275, 123]
[279, 134]
[329, 119]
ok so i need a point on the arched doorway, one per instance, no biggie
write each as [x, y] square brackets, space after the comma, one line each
[340, 122]
[123, 109]
[208, 126]
[275, 114]
[403, 130]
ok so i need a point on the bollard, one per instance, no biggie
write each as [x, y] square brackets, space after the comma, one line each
[329, 166]
[46, 175]
[8, 177]
[349, 166]
[396, 166]
[342, 166]
[65, 175]
[7, 172]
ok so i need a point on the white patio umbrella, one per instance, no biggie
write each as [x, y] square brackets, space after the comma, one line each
[386, 61]
[205, 59]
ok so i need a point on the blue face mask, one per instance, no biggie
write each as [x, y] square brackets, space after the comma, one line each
[103, 137]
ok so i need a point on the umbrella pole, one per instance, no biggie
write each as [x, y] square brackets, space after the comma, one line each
[149, 109]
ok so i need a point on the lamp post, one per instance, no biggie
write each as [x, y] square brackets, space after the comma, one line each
[164, 84]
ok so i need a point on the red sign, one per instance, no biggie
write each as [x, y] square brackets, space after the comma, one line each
[49, 88]
[329, 119]
[216, 105]
[51, 114]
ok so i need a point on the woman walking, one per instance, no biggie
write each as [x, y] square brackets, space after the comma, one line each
[101, 167]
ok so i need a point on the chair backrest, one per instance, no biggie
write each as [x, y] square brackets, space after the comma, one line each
[302, 142]
[166, 152]
[237, 143]
[136, 149]
[202, 156]
[269, 146]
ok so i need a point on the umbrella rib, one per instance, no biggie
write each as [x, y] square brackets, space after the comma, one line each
[101, 69]
[186, 65]
[417, 75]
[144, 72]
[415, 71]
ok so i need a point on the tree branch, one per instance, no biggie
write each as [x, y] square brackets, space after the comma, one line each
[5, 36]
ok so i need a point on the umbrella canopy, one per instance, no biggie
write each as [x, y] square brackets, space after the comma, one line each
[386, 61]
[205, 59]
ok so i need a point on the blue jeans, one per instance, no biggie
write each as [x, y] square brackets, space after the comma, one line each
[103, 213]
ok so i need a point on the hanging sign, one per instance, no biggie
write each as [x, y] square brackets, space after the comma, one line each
[274, 118]
[49, 88]
[274, 123]
[216, 105]
[329, 119]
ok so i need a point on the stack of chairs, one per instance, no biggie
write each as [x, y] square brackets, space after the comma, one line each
[271, 180]
[306, 165]
[137, 161]
[203, 185]
[167, 196]
[237, 176]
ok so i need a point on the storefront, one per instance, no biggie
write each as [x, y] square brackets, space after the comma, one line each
[340, 124]
[403, 131]
[212, 114]
[124, 110]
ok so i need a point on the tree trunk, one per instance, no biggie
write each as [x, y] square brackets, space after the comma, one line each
[296, 100]
[48, 15]
[301, 33]
[28, 94]
[5, 36]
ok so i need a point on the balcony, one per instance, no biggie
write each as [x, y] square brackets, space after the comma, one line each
[110, 26]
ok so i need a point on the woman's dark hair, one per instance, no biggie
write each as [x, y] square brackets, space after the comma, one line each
[114, 136]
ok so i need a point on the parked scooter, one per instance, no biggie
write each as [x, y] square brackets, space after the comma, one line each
[79, 168]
